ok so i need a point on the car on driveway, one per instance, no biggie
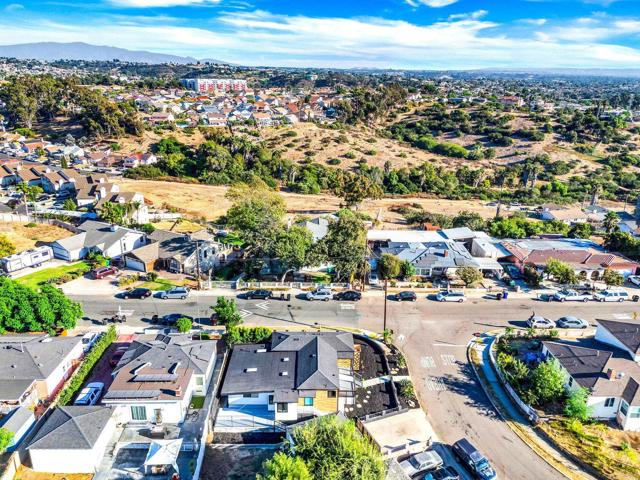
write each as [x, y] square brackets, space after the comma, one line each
[443, 473]
[175, 292]
[421, 462]
[473, 460]
[568, 295]
[451, 297]
[90, 394]
[349, 295]
[89, 340]
[322, 293]
[406, 297]
[102, 272]
[571, 322]
[538, 321]
[374, 279]
[137, 293]
[259, 294]
[611, 296]
[634, 279]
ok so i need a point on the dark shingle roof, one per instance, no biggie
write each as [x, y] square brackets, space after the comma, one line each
[627, 333]
[72, 428]
[585, 365]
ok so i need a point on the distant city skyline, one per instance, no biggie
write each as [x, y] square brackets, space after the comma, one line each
[407, 34]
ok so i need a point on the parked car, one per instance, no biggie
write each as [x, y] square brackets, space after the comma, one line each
[572, 322]
[611, 296]
[175, 292]
[406, 297]
[421, 462]
[89, 339]
[538, 321]
[322, 293]
[137, 293]
[90, 394]
[170, 319]
[259, 294]
[634, 279]
[473, 460]
[102, 272]
[117, 355]
[444, 473]
[451, 297]
[374, 279]
[568, 295]
[349, 295]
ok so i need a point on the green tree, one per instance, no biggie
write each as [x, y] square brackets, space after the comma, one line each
[389, 266]
[407, 270]
[581, 230]
[113, 213]
[184, 324]
[531, 276]
[69, 205]
[560, 271]
[547, 382]
[576, 406]
[333, 449]
[284, 467]
[610, 223]
[6, 247]
[6, 437]
[292, 248]
[612, 278]
[30, 192]
[227, 312]
[469, 275]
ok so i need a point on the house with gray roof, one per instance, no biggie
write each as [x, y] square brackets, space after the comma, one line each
[158, 375]
[72, 440]
[607, 367]
[109, 240]
[18, 422]
[33, 367]
[294, 375]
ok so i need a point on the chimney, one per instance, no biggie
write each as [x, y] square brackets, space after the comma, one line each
[445, 253]
[178, 391]
[611, 374]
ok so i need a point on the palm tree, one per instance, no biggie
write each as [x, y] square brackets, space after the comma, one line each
[610, 223]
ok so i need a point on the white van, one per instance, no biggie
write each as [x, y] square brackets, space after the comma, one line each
[611, 296]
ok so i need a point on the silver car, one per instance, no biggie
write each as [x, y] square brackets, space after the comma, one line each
[538, 321]
[421, 462]
[572, 322]
[175, 292]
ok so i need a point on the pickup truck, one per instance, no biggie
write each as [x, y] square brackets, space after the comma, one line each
[421, 462]
[572, 296]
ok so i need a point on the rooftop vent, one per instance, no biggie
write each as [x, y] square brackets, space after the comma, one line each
[285, 359]
[250, 369]
[174, 367]
[284, 374]
[261, 350]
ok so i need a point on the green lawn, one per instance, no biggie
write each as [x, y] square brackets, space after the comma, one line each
[197, 401]
[35, 279]
[227, 272]
[158, 285]
[231, 239]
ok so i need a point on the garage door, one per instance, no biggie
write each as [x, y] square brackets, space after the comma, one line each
[135, 264]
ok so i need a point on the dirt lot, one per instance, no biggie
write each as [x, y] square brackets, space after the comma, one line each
[233, 462]
[24, 237]
[185, 226]
[25, 473]
[208, 201]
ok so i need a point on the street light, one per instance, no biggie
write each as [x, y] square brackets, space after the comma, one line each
[384, 324]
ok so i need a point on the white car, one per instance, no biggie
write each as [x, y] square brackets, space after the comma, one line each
[421, 462]
[89, 339]
[538, 321]
[572, 322]
[176, 292]
[373, 279]
[90, 394]
[568, 295]
[611, 296]
[323, 294]
[451, 297]
[634, 279]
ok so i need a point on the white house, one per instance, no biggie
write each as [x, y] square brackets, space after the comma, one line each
[72, 440]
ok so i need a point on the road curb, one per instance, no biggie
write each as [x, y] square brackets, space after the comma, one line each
[560, 467]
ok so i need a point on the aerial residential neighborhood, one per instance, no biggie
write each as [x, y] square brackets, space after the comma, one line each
[392, 240]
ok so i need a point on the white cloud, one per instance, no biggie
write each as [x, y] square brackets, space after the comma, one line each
[160, 3]
[534, 21]
[478, 14]
[13, 7]
[431, 3]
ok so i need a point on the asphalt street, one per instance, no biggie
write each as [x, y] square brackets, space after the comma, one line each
[433, 337]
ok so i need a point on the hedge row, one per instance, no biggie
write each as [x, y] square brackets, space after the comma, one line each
[67, 394]
[237, 335]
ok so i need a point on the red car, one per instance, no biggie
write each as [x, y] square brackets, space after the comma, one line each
[117, 355]
[103, 272]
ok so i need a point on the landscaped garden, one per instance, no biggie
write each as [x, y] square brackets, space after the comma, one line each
[55, 275]
[565, 416]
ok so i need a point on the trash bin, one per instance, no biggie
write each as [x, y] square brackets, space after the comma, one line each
[635, 298]
[505, 294]
[282, 296]
[498, 296]
[288, 297]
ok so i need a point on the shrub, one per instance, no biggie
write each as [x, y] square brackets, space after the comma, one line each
[151, 276]
[31, 225]
[237, 335]
[547, 382]
[576, 406]
[184, 324]
[350, 155]
[284, 467]
[334, 161]
[406, 389]
[85, 368]
[6, 436]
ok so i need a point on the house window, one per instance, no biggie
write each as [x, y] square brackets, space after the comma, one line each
[308, 401]
[624, 408]
[609, 402]
[635, 412]
[331, 394]
[199, 381]
[571, 381]
[270, 399]
[282, 407]
[249, 395]
[138, 413]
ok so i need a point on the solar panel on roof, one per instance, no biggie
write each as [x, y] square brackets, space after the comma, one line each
[156, 377]
[132, 394]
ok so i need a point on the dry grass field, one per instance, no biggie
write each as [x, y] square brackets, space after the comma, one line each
[24, 237]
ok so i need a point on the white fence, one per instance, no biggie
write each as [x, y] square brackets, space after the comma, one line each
[240, 285]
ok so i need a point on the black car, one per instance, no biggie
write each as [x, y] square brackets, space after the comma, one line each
[443, 473]
[170, 319]
[349, 295]
[259, 294]
[406, 297]
[137, 293]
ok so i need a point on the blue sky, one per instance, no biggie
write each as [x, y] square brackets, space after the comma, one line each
[424, 34]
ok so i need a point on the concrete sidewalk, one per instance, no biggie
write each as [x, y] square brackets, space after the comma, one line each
[517, 421]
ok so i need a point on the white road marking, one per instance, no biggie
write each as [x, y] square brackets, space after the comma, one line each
[449, 360]
[427, 362]
[263, 305]
[450, 345]
[400, 338]
[622, 316]
[435, 384]
[245, 313]
[347, 306]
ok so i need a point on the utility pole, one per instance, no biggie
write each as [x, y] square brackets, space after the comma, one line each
[384, 323]
[198, 263]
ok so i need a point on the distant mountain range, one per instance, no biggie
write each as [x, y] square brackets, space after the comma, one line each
[50, 51]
